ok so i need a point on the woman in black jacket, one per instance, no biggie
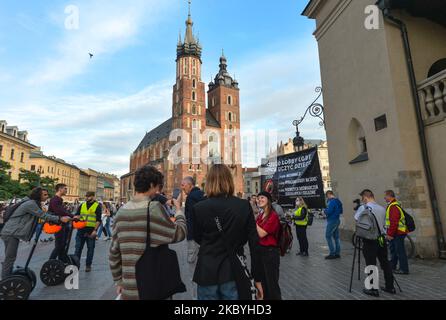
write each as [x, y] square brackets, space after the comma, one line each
[214, 271]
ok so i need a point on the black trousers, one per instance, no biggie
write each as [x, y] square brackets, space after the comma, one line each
[60, 241]
[372, 250]
[270, 261]
[301, 233]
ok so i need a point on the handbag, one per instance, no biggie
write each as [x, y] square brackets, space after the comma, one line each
[157, 271]
[242, 276]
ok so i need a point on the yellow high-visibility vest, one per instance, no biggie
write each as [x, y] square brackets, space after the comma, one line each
[89, 214]
[297, 214]
[402, 223]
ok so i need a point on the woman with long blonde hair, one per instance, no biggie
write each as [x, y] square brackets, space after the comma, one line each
[223, 225]
[300, 219]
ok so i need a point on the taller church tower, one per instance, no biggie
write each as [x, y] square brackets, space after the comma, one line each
[189, 102]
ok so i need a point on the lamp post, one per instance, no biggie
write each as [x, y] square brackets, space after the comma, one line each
[315, 110]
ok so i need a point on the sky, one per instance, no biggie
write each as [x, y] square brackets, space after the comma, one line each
[94, 112]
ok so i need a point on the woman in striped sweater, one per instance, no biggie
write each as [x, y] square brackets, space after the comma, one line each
[130, 230]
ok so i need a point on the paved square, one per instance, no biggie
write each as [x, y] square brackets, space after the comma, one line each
[301, 278]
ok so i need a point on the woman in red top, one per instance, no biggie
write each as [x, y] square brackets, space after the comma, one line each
[268, 226]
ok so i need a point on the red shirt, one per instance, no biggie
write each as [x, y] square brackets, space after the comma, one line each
[272, 227]
[394, 217]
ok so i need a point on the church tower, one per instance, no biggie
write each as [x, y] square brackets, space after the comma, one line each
[189, 102]
[224, 105]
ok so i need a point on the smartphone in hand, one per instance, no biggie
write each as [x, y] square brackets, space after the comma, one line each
[176, 193]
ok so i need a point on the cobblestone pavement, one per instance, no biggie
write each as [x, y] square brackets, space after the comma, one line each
[311, 278]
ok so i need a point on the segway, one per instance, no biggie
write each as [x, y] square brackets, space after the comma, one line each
[22, 282]
[53, 271]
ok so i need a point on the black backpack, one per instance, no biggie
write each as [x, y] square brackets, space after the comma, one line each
[410, 222]
[310, 217]
[11, 209]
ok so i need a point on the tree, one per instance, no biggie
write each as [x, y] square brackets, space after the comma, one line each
[11, 188]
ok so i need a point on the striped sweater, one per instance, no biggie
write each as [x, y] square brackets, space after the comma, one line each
[129, 239]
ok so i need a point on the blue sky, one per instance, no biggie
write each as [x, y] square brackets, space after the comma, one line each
[95, 112]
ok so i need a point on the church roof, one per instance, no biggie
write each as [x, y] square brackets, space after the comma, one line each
[211, 121]
[163, 131]
[157, 134]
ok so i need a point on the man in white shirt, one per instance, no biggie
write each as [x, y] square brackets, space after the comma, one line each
[373, 249]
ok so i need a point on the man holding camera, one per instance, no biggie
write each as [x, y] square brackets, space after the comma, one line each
[373, 249]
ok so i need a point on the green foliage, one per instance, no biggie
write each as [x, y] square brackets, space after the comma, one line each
[28, 180]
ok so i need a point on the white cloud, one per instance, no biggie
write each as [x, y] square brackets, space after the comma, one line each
[94, 131]
[105, 28]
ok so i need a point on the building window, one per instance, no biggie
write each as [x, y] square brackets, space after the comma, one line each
[358, 148]
[230, 116]
[194, 83]
[33, 167]
[12, 154]
[229, 100]
[194, 96]
[1, 151]
[194, 110]
[363, 144]
[381, 123]
[22, 157]
[213, 101]
[194, 124]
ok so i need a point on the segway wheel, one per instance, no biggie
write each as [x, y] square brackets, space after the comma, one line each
[29, 274]
[74, 261]
[52, 273]
[15, 288]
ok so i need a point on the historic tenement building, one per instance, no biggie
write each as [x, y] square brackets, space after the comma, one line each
[385, 106]
[15, 148]
[204, 126]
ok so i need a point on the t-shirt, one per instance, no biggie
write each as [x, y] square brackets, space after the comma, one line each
[272, 227]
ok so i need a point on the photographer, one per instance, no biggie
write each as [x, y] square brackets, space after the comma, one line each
[373, 249]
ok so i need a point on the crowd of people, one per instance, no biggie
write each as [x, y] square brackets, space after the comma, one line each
[216, 225]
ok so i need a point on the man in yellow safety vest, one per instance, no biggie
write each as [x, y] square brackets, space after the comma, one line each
[396, 230]
[90, 213]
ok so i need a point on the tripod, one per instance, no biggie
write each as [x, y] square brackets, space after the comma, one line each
[357, 251]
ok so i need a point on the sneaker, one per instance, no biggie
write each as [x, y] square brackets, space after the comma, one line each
[330, 257]
[88, 269]
[391, 291]
[337, 256]
[371, 292]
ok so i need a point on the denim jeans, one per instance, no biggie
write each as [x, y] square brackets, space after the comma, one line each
[399, 255]
[81, 239]
[226, 291]
[107, 229]
[332, 233]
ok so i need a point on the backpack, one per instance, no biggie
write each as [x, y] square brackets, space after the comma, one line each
[310, 217]
[367, 226]
[410, 222]
[11, 209]
[285, 239]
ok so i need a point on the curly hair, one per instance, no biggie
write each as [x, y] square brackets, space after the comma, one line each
[36, 195]
[147, 177]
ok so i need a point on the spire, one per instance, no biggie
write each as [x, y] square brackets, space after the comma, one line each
[191, 45]
[189, 24]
